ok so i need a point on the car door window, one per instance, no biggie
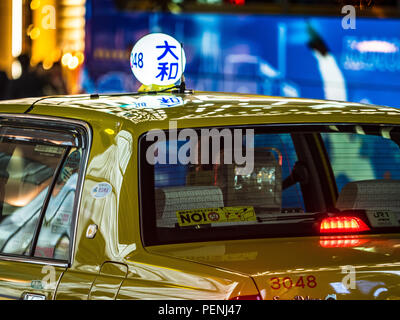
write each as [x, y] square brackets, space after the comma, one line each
[54, 236]
[26, 171]
[38, 180]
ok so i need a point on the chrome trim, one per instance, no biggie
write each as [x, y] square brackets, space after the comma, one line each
[79, 189]
[6, 297]
[52, 119]
[88, 139]
[54, 293]
[34, 261]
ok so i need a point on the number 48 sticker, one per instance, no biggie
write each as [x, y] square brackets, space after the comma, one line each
[137, 60]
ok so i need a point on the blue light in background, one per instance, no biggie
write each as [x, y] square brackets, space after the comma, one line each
[310, 57]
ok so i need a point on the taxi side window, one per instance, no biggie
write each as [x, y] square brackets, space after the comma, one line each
[38, 182]
[54, 236]
[26, 172]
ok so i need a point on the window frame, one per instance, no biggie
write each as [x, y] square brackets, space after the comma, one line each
[315, 152]
[83, 133]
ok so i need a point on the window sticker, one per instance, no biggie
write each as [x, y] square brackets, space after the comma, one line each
[383, 218]
[101, 190]
[215, 215]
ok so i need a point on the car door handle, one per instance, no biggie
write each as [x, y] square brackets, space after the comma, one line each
[33, 296]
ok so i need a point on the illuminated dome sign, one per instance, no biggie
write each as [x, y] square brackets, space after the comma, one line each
[158, 59]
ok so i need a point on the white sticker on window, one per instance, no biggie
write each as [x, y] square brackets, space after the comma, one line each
[101, 190]
[383, 218]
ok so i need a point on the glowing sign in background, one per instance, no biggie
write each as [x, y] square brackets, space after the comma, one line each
[312, 57]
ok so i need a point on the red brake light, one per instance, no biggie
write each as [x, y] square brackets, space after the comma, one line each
[342, 224]
[250, 297]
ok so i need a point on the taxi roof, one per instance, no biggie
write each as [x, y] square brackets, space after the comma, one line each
[202, 109]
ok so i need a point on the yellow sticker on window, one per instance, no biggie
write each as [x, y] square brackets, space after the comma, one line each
[215, 215]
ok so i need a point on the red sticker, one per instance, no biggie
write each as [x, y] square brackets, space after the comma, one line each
[213, 216]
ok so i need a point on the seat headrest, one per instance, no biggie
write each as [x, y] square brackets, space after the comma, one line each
[169, 200]
[263, 188]
[370, 194]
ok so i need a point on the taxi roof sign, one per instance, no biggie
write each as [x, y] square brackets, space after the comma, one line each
[158, 59]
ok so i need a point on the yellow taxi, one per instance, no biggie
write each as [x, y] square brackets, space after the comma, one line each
[198, 195]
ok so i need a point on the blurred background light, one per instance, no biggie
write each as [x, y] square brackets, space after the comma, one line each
[16, 47]
[47, 64]
[80, 56]
[35, 4]
[376, 46]
[73, 63]
[66, 58]
[34, 33]
[16, 69]
[233, 45]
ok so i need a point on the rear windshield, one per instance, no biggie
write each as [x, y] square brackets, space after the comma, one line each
[240, 183]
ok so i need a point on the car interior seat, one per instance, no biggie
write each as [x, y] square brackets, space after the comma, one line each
[169, 200]
[380, 194]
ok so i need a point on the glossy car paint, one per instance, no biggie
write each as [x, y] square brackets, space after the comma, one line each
[115, 265]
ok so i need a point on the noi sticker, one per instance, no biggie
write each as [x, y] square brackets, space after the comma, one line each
[101, 190]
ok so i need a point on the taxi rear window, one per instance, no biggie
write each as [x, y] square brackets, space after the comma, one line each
[266, 181]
